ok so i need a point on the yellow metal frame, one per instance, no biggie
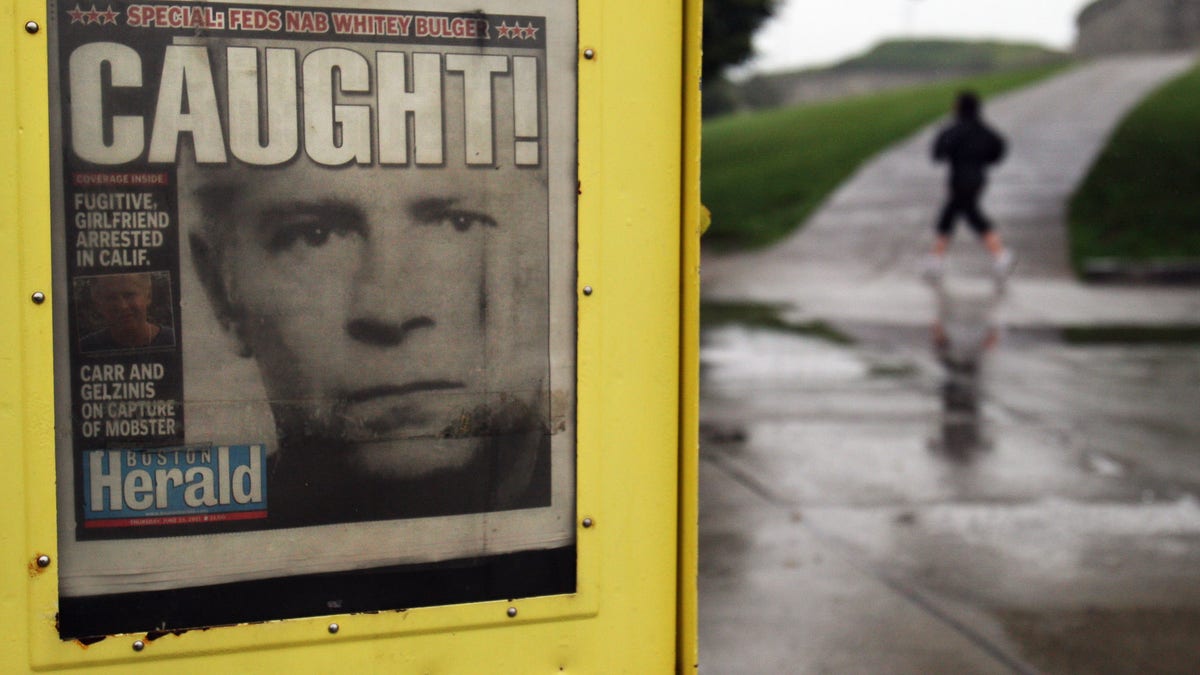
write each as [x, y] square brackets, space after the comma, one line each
[692, 226]
[638, 218]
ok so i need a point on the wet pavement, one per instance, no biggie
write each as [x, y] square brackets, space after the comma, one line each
[897, 478]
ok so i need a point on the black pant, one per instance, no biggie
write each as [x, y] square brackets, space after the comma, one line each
[963, 200]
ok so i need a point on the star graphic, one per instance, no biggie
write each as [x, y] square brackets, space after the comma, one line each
[92, 16]
[503, 31]
[75, 14]
[109, 16]
[529, 32]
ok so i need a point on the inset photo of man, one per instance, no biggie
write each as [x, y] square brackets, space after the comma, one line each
[124, 311]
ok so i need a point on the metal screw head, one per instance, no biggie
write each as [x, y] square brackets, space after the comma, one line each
[589, 54]
[32, 27]
[138, 645]
[587, 522]
[38, 297]
[334, 628]
[512, 611]
[43, 561]
[587, 290]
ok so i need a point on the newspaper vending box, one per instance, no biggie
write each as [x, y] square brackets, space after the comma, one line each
[353, 334]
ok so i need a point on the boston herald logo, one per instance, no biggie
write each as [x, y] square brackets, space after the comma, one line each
[132, 485]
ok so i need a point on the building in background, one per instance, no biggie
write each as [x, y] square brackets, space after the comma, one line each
[1117, 26]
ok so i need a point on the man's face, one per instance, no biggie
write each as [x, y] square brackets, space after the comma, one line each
[122, 301]
[390, 308]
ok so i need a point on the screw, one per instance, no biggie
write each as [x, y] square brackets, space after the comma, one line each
[512, 611]
[32, 27]
[43, 561]
[38, 297]
[587, 522]
[587, 290]
[589, 54]
[138, 645]
[334, 628]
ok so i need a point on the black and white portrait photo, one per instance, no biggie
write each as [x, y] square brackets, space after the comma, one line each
[398, 319]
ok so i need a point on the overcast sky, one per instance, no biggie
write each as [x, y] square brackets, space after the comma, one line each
[818, 32]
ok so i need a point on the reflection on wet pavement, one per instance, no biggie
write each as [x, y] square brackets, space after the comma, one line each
[964, 331]
[955, 499]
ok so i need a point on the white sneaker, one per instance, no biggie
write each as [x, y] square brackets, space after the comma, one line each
[1005, 262]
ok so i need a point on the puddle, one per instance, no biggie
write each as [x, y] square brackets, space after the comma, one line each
[735, 353]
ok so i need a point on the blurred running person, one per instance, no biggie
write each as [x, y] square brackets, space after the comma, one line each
[970, 147]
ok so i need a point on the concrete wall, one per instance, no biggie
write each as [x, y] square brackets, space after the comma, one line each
[1116, 26]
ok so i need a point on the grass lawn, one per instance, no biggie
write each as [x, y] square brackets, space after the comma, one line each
[763, 173]
[1141, 199]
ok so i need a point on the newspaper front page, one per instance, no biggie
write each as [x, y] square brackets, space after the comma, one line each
[314, 270]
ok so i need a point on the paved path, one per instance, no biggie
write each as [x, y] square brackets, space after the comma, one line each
[1017, 505]
[858, 256]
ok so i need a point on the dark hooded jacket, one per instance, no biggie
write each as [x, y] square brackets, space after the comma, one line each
[970, 146]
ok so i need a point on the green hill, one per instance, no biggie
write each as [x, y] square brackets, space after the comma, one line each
[889, 65]
[950, 55]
